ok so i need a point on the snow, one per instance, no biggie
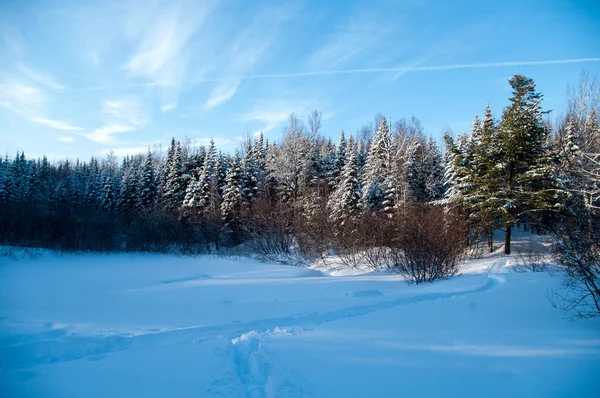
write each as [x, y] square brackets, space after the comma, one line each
[155, 326]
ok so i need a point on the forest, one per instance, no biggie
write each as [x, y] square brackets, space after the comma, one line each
[387, 195]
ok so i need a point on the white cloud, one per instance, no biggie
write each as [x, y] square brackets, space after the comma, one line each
[222, 93]
[356, 36]
[66, 139]
[30, 102]
[24, 99]
[125, 110]
[41, 78]
[169, 107]
[55, 124]
[105, 134]
[163, 51]
[247, 50]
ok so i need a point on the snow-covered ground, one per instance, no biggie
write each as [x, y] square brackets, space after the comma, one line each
[167, 326]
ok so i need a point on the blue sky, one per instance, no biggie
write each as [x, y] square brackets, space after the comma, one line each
[79, 78]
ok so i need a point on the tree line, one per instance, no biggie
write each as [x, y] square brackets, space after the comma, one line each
[387, 195]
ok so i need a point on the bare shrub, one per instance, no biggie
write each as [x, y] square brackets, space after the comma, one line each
[346, 238]
[578, 253]
[376, 237]
[429, 243]
[530, 259]
[269, 229]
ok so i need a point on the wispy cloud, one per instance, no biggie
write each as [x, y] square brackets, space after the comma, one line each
[352, 39]
[164, 50]
[55, 124]
[169, 107]
[247, 51]
[392, 70]
[41, 78]
[66, 139]
[105, 134]
[22, 98]
[223, 92]
[122, 115]
[125, 110]
[30, 102]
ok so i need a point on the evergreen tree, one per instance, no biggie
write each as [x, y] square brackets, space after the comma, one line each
[174, 186]
[146, 188]
[250, 173]
[525, 174]
[376, 169]
[483, 179]
[434, 186]
[108, 200]
[6, 181]
[233, 199]
[206, 188]
[340, 160]
[345, 202]
[128, 193]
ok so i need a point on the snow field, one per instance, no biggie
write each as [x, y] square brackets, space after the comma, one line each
[155, 326]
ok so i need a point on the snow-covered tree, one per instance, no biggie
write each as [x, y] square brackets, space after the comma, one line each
[233, 198]
[108, 196]
[376, 170]
[146, 188]
[525, 174]
[345, 202]
[174, 189]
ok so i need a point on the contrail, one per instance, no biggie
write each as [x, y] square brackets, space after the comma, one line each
[400, 69]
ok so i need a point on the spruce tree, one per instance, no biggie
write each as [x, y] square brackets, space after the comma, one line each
[146, 188]
[174, 185]
[345, 202]
[233, 199]
[525, 175]
[376, 170]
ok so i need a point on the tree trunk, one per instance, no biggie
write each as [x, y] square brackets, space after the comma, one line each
[490, 236]
[507, 239]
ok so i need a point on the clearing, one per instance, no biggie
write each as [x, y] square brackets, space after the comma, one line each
[155, 326]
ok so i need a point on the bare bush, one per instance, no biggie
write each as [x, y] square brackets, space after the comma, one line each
[269, 230]
[429, 244]
[578, 253]
[530, 260]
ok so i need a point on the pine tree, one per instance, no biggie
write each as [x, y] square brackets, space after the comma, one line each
[6, 181]
[108, 200]
[250, 173]
[340, 160]
[455, 173]
[174, 186]
[233, 199]
[482, 178]
[221, 167]
[204, 194]
[146, 188]
[128, 193]
[376, 170]
[416, 172]
[345, 202]
[526, 181]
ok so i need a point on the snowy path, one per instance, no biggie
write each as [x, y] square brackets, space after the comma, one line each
[52, 343]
